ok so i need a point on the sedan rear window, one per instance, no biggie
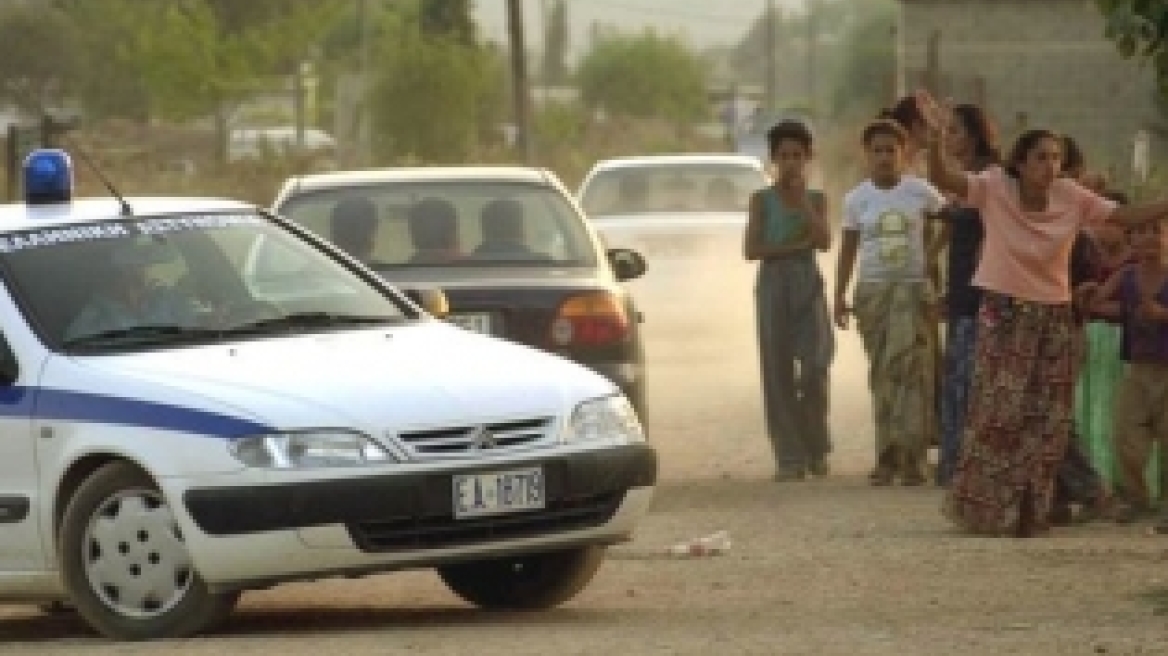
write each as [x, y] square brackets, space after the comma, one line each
[671, 188]
[448, 224]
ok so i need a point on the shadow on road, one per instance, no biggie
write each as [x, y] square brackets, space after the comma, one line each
[266, 621]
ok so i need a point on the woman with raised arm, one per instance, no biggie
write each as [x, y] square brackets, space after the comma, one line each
[1020, 410]
[973, 142]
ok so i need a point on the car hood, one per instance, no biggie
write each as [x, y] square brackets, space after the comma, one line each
[422, 375]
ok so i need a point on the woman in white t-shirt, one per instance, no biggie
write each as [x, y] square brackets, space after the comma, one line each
[884, 227]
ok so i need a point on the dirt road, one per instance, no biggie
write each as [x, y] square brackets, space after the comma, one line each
[825, 567]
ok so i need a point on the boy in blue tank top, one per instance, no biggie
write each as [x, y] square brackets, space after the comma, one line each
[787, 224]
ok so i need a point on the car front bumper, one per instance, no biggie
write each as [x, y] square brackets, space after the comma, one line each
[252, 535]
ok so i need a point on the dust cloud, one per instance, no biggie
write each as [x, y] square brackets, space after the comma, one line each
[704, 386]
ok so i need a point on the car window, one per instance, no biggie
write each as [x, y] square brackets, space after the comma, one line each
[464, 223]
[212, 272]
[671, 188]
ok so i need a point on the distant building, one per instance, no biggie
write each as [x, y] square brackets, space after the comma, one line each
[1033, 63]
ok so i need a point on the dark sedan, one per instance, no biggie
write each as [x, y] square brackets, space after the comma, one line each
[508, 246]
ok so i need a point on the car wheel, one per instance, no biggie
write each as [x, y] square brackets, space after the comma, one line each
[529, 582]
[125, 564]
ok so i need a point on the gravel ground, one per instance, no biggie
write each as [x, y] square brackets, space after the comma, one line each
[817, 567]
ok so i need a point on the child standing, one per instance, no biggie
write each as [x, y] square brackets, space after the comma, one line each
[1141, 405]
[1102, 368]
[787, 224]
[894, 302]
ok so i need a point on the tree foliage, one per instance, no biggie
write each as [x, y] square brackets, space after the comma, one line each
[644, 75]
[434, 97]
[826, 20]
[196, 56]
[556, 44]
[867, 72]
[826, 47]
[450, 19]
[437, 92]
[179, 59]
[42, 59]
[1139, 29]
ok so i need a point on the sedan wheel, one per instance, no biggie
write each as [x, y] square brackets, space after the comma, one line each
[125, 563]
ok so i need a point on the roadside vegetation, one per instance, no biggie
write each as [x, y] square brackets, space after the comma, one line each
[157, 88]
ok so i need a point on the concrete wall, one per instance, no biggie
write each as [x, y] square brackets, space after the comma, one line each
[1038, 63]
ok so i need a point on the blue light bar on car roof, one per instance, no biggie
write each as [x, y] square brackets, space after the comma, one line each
[48, 177]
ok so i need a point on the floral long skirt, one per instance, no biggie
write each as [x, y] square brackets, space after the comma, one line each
[1020, 415]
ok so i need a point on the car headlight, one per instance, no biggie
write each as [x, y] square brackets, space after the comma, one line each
[309, 449]
[606, 418]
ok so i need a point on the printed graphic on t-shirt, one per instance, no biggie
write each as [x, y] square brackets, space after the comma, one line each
[892, 234]
[890, 223]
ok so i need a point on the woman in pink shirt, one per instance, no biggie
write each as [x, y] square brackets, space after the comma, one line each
[1020, 412]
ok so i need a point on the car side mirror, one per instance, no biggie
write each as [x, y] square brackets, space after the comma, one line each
[432, 300]
[627, 264]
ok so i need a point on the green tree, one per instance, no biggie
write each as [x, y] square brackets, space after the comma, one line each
[449, 18]
[179, 59]
[196, 58]
[644, 75]
[1139, 29]
[806, 50]
[434, 98]
[42, 60]
[556, 44]
[866, 79]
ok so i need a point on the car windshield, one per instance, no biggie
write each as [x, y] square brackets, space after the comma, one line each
[649, 188]
[448, 224]
[153, 282]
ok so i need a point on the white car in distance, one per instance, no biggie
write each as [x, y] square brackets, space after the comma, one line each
[687, 215]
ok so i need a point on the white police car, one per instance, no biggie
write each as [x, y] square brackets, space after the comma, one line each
[197, 399]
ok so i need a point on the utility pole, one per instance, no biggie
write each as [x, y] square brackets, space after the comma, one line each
[545, 28]
[519, 85]
[932, 81]
[812, 36]
[362, 131]
[771, 55]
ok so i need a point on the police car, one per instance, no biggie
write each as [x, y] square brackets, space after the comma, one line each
[198, 399]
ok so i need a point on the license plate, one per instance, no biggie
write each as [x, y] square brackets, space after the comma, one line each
[478, 322]
[479, 495]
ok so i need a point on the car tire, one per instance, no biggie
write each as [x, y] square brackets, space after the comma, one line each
[117, 531]
[529, 582]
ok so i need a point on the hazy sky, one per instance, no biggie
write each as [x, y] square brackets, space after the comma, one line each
[703, 22]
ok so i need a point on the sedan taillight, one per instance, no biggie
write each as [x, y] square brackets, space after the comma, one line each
[591, 319]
